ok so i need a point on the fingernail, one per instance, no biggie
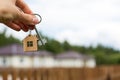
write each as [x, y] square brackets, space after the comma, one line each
[36, 20]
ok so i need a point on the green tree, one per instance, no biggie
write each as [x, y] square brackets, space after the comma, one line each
[66, 46]
[7, 40]
[54, 46]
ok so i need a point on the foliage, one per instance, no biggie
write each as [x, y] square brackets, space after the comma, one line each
[54, 46]
[7, 40]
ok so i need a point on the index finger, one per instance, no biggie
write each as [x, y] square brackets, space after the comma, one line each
[23, 6]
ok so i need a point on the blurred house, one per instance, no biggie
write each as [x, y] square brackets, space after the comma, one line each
[14, 56]
[74, 59]
[89, 61]
[43, 59]
[69, 59]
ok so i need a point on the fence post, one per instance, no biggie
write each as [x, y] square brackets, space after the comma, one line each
[14, 74]
[5, 74]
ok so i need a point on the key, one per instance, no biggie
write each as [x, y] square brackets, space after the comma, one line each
[42, 41]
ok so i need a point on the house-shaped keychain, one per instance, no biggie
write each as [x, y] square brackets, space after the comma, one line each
[30, 43]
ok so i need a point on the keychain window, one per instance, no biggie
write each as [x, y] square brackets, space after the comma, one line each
[29, 43]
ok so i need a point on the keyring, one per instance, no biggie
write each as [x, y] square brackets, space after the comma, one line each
[40, 18]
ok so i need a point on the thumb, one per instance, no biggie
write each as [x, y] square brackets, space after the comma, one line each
[28, 19]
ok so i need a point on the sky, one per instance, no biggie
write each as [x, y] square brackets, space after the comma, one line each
[80, 22]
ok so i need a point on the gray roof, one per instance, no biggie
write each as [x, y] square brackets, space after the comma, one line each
[11, 49]
[73, 55]
[43, 53]
[69, 54]
[17, 49]
[88, 57]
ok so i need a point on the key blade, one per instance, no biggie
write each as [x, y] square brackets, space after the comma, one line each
[39, 43]
[43, 42]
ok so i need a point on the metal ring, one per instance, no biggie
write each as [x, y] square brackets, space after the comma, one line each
[39, 17]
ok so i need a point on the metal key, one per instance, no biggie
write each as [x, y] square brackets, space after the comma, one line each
[42, 41]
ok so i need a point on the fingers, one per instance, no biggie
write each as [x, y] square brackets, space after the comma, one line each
[22, 26]
[22, 21]
[31, 27]
[23, 6]
[13, 26]
[18, 26]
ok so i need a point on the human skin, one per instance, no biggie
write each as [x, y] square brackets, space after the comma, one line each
[17, 15]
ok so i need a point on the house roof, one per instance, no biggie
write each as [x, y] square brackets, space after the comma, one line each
[34, 37]
[41, 53]
[73, 55]
[11, 49]
[69, 54]
[17, 49]
[88, 57]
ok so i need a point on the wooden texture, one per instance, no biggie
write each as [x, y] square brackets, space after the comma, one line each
[32, 38]
[98, 73]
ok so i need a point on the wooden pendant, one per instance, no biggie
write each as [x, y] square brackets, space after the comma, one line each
[30, 43]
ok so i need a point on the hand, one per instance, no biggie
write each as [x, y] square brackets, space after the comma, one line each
[17, 15]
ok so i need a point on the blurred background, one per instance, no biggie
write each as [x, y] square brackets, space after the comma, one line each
[82, 39]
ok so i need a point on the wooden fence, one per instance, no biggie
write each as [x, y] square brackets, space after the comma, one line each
[98, 73]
